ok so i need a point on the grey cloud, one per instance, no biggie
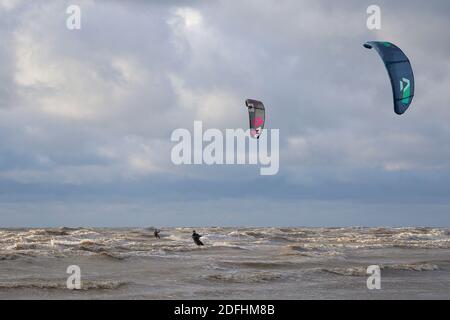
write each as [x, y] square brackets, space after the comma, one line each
[80, 108]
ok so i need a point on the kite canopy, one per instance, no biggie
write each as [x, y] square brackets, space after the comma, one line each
[257, 116]
[400, 73]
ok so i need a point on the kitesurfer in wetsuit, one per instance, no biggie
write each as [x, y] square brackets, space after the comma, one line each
[196, 237]
[156, 233]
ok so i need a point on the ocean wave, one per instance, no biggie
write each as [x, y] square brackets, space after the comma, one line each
[111, 255]
[178, 248]
[9, 256]
[85, 285]
[412, 267]
[361, 271]
[307, 242]
[177, 238]
[316, 251]
[82, 232]
[258, 277]
[101, 251]
[225, 245]
[258, 264]
[23, 246]
[49, 232]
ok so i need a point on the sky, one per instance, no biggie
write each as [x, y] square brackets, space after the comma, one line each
[86, 116]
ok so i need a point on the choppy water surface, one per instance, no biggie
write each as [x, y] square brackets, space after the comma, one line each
[252, 263]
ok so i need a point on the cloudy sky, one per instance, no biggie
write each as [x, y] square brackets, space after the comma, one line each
[86, 115]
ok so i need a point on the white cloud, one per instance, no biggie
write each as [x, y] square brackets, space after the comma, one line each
[9, 4]
[215, 107]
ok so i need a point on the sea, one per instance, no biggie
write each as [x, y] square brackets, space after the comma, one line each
[234, 263]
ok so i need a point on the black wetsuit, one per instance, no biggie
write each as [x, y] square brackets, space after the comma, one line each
[196, 237]
[156, 233]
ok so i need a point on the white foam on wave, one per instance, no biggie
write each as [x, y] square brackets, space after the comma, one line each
[320, 242]
[85, 285]
[361, 271]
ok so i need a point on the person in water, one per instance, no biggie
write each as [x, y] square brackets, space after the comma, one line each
[156, 233]
[196, 237]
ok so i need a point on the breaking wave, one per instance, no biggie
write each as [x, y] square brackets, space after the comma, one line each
[301, 242]
[85, 285]
[360, 271]
[246, 278]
